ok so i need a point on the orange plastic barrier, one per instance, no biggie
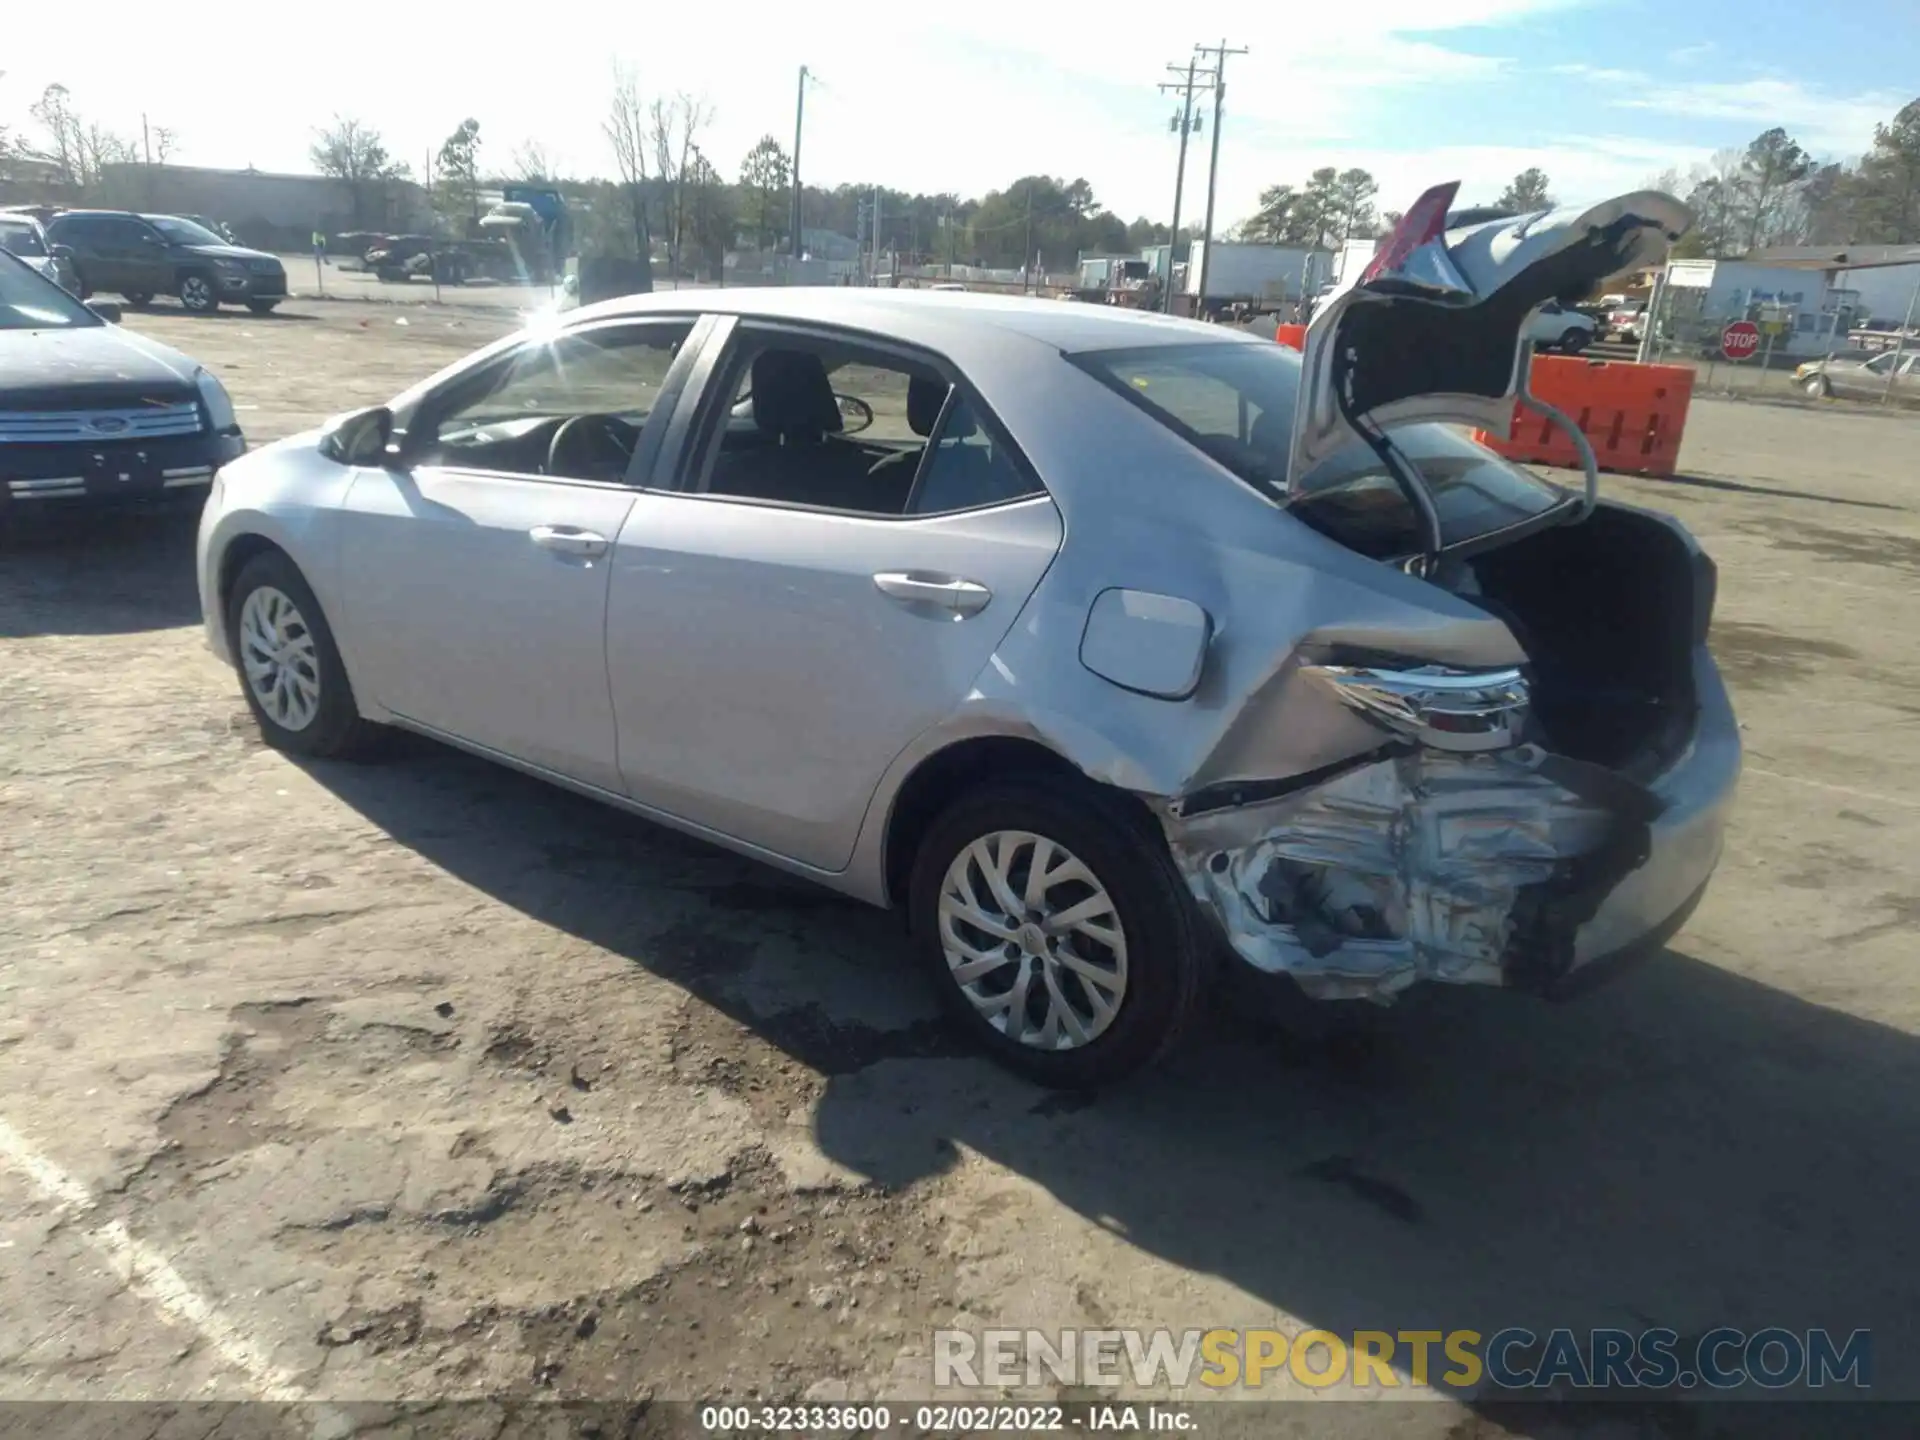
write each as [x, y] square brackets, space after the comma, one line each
[1292, 335]
[1633, 415]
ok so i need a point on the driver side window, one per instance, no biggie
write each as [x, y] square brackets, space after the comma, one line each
[568, 407]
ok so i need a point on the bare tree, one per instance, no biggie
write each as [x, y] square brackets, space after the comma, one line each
[626, 131]
[164, 141]
[54, 112]
[531, 162]
[673, 127]
[354, 153]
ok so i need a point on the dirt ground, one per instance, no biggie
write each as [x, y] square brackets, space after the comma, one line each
[421, 1080]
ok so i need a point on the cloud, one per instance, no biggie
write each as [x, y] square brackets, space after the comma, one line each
[1691, 54]
[1824, 122]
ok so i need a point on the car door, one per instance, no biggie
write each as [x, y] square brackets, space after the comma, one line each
[1863, 382]
[808, 600]
[474, 569]
[132, 256]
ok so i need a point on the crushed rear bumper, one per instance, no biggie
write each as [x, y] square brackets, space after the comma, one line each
[1508, 866]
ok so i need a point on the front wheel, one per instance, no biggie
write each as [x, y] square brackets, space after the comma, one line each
[139, 300]
[1573, 341]
[198, 296]
[1058, 931]
[262, 307]
[290, 669]
[1819, 387]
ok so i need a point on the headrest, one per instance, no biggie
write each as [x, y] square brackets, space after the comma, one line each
[925, 395]
[792, 395]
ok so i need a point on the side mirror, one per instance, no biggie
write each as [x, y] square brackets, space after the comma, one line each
[61, 252]
[106, 310]
[359, 438]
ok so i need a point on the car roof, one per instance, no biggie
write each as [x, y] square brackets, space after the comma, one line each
[932, 318]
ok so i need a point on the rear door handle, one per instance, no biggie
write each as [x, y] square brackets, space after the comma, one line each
[949, 592]
[566, 540]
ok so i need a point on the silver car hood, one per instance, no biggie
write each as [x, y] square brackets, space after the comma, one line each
[1434, 329]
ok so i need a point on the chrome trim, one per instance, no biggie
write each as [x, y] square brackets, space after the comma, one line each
[182, 471]
[1462, 710]
[61, 482]
[146, 422]
[179, 482]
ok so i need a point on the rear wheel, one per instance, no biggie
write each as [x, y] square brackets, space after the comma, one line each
[1058, 931]
[290, 668]
[1573, 341]
[197, 294]
[139, 300]
[262, 307]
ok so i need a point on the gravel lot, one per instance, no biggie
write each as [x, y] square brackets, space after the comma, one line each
[422, 1080]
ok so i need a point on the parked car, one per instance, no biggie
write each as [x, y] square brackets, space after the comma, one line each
[141, 256]
[1861, 375]
[1101, 644]
[1626, 320]
[23, 236]
[1555, 327]
[93, 416]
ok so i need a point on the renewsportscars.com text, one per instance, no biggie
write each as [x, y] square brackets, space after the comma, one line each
[1510, 1359]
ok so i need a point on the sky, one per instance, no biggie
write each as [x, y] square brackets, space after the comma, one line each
[1601, 94]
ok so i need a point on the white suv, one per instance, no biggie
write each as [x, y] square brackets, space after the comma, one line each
[1554, 327]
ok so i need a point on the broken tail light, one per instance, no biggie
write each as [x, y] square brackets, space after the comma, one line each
[1441, 707]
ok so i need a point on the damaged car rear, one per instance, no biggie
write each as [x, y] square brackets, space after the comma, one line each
[1513, 760]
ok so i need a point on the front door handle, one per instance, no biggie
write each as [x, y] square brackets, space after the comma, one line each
[949, 592]
[565, 540]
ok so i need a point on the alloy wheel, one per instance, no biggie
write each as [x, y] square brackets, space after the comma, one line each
[1033, 940]
[278, 657]
[195, 293]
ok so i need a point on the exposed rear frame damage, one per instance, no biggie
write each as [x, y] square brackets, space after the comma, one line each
[1415, 863]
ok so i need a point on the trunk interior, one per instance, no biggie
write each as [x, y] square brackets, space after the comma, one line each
[1608, 611]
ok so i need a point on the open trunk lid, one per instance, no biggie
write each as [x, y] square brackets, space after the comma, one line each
[1434, 331]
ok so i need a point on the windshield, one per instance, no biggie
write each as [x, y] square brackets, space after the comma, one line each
[30, 301]
[21, 239]
[1235, 403]
[183, 232]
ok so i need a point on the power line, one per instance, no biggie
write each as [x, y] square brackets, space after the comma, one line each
[1219, 53]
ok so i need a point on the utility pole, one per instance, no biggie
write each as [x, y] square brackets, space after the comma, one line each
[1026, 254]
[1186, 124]
[797, 219]
[1219, 53]
[876, 234]
[949, 239]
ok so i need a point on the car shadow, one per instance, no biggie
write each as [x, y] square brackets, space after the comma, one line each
[94, 573]
[1774, 492]
[1685, 1148]
[229, 311]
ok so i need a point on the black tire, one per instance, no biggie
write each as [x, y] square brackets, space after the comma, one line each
[1573, 341]
[199, 293]
[263, 307]
[1170, 956]
[138, 300]
[336, 730]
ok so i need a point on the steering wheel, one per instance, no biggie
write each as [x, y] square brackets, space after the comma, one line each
[592, 447]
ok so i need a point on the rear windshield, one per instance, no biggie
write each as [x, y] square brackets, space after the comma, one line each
[1235, 403]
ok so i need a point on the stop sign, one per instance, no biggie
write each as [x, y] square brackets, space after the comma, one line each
[1740, 340]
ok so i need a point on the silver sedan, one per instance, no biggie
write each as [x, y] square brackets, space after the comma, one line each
[1110, 648]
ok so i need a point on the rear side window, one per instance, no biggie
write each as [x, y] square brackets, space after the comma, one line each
[1235, 403]
[21, 240]
[967, 466]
